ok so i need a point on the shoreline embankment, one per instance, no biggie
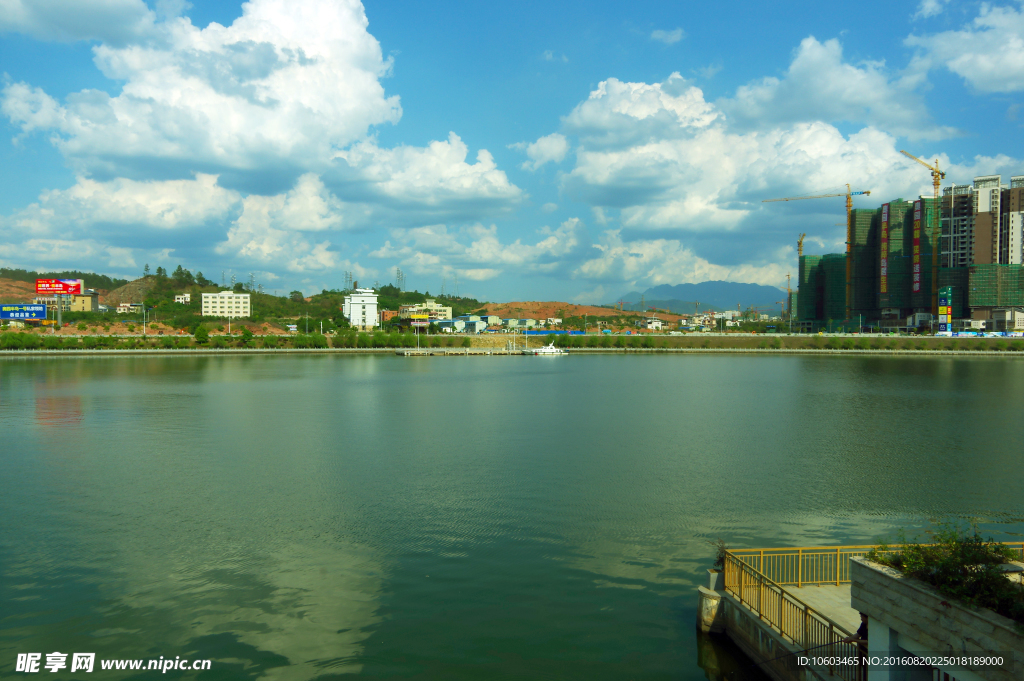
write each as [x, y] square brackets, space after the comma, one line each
[479, 352]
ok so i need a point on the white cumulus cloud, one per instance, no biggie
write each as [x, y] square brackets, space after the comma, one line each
[820, 86]
[285, 85]
[988, 53]
[548, 149]
[167, 205]
[113, 21]
[621, 113]
[650, 262]
[435, 177]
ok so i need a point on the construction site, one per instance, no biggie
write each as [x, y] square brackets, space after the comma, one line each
[966, 241]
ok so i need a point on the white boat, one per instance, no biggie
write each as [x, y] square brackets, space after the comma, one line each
[548, 349]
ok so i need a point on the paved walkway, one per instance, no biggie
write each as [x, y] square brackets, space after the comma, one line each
[831, 601]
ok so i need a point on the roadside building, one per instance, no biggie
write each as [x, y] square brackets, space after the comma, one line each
[491, 319]
[88, 301]
[450, 325]
[128, 308]
[650, 323]
[184, 298]
[1007, 319]
[429, 307]
[386, 316]
[360, 308]
[478, 326]
[226, 304]
[554, 321]
[51, 302]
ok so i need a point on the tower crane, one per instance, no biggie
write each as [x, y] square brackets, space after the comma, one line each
[937, 177]
[800, 246]
[849, 194]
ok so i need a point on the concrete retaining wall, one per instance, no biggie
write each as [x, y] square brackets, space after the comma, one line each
[927, 622]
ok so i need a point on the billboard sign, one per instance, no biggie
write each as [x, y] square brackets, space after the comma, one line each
[22, 312]
[59, 286]
[420, 319]
[916, 280]
[884, 268]
[945, 308]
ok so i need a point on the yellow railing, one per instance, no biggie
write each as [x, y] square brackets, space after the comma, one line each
[757, 576]
[795, 620]
[800, 566]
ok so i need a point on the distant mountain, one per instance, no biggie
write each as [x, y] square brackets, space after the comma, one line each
[717, 295]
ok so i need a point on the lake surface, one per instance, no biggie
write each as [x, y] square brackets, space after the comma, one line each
[322, 516]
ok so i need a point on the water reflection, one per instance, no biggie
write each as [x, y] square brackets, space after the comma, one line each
[295, 517]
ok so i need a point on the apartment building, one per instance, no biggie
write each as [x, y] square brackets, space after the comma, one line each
[434, 310]
[983, 223]
[360, 308]
[226, 304]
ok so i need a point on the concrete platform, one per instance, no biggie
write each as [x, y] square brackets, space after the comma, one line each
[831, 601]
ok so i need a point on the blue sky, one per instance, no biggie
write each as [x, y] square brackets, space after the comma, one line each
[530, 150]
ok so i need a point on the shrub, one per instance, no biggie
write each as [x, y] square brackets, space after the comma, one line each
[777, 343]
[271, 341]
[1000, 345]
[466, 342]
[167, 342]
[82, 326]
[202, 335]
[960, 564]
[862, 344]
[1016, 346]
[847, 344]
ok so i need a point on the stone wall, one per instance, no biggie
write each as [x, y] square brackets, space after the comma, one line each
[928, 622]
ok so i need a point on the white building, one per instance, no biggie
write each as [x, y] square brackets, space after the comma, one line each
[651, 324]
[360, 308]
[184, 298]
[128, 308]
[434, 310]
[226, 304]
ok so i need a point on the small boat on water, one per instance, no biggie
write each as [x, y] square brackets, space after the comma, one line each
[548, 349]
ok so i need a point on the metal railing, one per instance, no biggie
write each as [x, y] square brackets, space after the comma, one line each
[800, 566]
[796, 621]
[757, 577]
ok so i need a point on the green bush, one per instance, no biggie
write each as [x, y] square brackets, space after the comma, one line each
[466, 342]
[960, 564]
[82, 326]
[202, 335]
[1016, 345]
[270, 341]
[167, 342]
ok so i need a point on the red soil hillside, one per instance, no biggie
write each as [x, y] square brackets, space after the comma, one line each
[12, 291]
[544, 310]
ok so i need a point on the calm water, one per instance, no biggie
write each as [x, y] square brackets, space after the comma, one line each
[458, 518]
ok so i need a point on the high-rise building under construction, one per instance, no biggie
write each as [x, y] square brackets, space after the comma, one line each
[976, 231]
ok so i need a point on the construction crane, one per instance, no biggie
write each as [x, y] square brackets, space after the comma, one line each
[800, 246]
[849, 235]
[937, 177]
